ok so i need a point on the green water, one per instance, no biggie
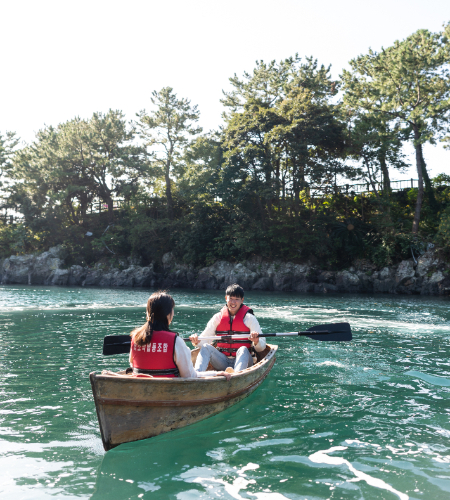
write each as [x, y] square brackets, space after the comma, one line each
[366, 419]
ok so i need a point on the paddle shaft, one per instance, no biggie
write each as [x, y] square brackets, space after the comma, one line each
[285, 334]
[337, 332]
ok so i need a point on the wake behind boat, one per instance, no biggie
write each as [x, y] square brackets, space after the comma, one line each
[133, 408]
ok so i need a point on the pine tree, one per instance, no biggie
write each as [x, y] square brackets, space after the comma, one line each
[408, 83]
[165, 131]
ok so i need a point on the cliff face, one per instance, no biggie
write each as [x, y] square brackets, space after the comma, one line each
[428, 276]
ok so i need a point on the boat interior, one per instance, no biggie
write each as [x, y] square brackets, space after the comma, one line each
[258, 356]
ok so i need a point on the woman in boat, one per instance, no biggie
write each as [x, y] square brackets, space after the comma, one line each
[157, 351]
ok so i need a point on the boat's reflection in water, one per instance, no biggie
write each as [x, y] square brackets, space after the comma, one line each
[184, 464]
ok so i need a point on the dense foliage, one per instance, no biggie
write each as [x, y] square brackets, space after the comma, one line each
[270, 183]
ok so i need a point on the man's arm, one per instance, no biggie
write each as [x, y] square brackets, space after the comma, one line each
[252, 323]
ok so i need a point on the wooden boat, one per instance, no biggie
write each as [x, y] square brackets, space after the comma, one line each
[133, 408]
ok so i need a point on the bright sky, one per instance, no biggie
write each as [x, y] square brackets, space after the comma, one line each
[65, 58]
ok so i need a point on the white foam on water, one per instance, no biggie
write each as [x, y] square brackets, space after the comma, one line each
[147, 486]
[249, 466]
[331, 363]
[207, 480]
[58, 307]
[321, 457]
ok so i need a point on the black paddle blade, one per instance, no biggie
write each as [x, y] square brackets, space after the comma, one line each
[116, 344]
[338, 332]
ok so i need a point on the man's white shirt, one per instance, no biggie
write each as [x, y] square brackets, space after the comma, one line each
[249, 321]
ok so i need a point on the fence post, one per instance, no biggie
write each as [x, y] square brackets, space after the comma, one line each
[412, 185]
[11, 219]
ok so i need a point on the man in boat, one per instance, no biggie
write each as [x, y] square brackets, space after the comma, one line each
[234, 318]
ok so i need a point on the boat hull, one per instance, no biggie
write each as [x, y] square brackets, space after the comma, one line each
[130, 409]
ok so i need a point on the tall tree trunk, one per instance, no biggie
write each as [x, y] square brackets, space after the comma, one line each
[269, 201]
[258, 199]
[277, 180]
[429, 191]
[420, 169]
[169, 191]
[385, 170]
[371, 179]
[84, 203]
[295, 188]
[386, 182]
[110, 204]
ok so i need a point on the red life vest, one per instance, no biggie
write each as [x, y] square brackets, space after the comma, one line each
[157, 357]
[233, 326]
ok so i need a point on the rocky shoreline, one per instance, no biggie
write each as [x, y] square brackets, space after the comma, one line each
[428, 276]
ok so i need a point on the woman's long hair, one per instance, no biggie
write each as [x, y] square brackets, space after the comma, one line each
[159, 306]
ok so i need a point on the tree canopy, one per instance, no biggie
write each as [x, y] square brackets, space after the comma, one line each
[408, 84]
[300, 168]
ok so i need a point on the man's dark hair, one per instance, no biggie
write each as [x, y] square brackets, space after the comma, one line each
[235, 291]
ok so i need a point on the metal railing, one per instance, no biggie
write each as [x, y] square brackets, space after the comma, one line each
[8, 216]
[365, 187]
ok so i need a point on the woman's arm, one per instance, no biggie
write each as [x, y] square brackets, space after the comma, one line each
[182, 357]
[131, 353]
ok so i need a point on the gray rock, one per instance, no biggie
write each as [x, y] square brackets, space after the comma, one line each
[59, 277]
[17, 269]
[385, 273]
[286, 275]
[324, 288]
[144, 277]
[222, 273]
[347, 281]
[263, 284]
[429, 278]
[282, 282]
[435, 284]
[384, 285]
[134, 260]
[437, 277]
[44, 267]
[405, 272]
[327, 277]
[57, 252]
[205, 280]
[123, 278]
[242, 275]
[365, 266]
[366, 281]
[168, 260]
[425, 263]
[103, 278]
[179, 276]
[77, 275]
[304, 287]
[93, 277]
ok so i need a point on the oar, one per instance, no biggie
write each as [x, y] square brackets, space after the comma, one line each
[336, 332]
